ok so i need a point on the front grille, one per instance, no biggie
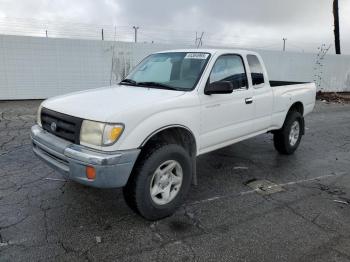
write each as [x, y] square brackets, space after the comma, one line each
[61, 125]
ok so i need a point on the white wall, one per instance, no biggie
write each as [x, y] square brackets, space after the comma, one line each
[332, 75]
[34, 68]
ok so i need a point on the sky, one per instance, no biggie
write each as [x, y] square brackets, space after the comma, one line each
[306, 24]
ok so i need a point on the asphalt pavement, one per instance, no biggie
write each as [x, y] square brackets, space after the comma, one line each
[43, 217]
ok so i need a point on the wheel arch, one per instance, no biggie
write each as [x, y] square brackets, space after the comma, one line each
[166, 129]
[177, 134]
[298, 107]
[173, 133]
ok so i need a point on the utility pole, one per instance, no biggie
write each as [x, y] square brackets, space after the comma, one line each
[284, 44]
[199, 40]
[336, 27]
[136, 28]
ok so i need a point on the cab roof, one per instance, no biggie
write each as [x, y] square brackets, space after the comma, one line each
[211, 51]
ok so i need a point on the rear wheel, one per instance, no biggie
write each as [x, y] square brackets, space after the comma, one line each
[160, 181]
[287, 139]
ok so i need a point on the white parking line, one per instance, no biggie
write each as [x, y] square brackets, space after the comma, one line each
[240, 167]
[55, 179]
[254, 191]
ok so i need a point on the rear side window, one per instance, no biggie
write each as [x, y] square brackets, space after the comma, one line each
[256, 70]
[230, 68]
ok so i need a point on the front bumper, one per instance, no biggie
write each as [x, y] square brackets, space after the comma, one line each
[112, 168]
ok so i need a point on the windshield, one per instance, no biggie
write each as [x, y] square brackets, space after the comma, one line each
[175, 71]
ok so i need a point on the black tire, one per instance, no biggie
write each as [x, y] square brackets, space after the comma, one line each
[137, 191]
[281, 137]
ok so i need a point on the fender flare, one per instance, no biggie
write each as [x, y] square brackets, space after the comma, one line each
[164, 128]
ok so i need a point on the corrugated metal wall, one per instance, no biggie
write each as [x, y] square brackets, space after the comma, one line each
[35, 68]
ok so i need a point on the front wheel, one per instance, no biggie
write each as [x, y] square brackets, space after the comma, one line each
[160, 181]
[287, 139]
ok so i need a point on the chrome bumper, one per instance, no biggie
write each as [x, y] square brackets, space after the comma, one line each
[112, 168]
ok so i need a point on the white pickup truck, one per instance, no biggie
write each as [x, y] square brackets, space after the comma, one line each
[145, 133]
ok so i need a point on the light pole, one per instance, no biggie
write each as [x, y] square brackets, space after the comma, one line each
[135, 29]
[284, 44]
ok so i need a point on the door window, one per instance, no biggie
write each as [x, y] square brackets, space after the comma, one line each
[229, 68]
[256, 70]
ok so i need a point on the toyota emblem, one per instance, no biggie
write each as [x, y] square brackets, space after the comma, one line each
[53, 126]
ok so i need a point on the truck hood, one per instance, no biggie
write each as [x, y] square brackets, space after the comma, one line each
[103, 103]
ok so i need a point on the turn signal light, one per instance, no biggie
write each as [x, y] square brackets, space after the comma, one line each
[115, 133]
[90, 173]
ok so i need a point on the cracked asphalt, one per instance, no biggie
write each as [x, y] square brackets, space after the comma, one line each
[45, 218]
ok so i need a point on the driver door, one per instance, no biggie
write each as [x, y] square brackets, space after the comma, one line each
[226, 117]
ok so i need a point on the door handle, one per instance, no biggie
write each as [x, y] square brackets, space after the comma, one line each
[249, 100]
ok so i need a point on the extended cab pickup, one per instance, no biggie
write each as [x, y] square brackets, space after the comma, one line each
[145, 133]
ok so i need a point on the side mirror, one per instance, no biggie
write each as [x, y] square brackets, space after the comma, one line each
[220, 87]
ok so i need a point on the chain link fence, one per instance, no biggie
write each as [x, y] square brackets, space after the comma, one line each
[146, 34]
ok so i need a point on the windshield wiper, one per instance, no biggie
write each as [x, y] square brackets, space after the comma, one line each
[129, 82]
[156, 84]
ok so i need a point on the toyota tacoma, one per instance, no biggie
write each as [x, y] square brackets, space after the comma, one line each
[145, 133]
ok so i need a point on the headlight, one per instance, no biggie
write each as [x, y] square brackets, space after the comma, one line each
[38, 116]
[99, 134]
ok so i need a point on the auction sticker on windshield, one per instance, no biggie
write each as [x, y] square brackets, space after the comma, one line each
[196, 56]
